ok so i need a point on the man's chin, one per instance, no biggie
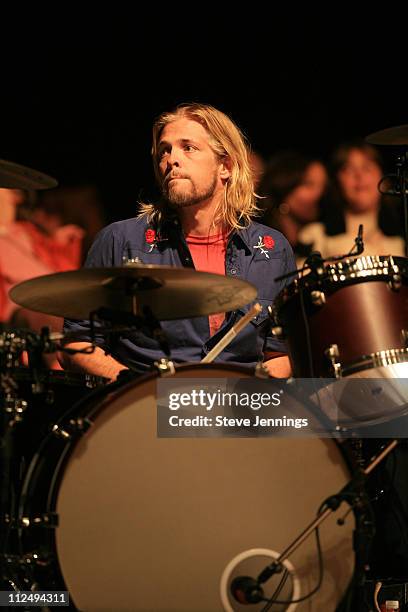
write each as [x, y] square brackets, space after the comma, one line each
[179, 199]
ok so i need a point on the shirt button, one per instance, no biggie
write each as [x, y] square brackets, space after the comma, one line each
[233, 271]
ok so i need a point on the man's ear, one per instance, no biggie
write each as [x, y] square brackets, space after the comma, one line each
[225, 168]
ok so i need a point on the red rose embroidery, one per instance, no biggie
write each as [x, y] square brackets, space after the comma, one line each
[150, 236]
[268, 242]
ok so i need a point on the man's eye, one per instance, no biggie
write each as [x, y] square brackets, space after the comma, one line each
[189, 148]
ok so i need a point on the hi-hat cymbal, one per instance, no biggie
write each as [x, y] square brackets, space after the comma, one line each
[395, 136]
[171, 293]
[14, 176]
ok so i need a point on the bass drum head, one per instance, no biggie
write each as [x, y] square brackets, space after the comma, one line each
[149, 523]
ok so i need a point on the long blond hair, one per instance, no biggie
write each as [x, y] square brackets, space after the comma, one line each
[238, 204]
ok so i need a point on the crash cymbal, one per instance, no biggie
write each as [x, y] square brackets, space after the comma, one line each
[171, 293]
[14, 176]
[395, 136]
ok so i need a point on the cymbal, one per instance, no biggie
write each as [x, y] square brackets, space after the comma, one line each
[171, 293]
[14, 176]
[396, 136]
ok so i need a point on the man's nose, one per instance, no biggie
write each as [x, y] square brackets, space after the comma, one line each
[173, 158]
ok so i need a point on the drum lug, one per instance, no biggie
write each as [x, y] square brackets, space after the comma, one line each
[261, 371]
[404, 337]
[318, 298]
[395, 283]
[165, 367]
[277, 332]
[16, 407]
[277, 329]
[72, 428]
[333, 355]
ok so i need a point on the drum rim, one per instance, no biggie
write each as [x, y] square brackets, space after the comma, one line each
[375, 360]
[349, 274]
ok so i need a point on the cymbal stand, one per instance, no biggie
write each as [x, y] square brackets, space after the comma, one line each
[400, 187]
[402, 169]
[126, 321]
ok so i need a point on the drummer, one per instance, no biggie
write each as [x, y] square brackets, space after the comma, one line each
[204, 220]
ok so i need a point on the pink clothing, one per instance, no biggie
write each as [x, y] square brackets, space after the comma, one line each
[208, 253]
[25, 252]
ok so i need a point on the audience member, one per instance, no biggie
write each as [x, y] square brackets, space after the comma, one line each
[355, 200]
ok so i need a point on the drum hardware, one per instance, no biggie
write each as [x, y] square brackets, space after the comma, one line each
[317, 298]
[276, 329]
[48, 520]
[28, 403]
[277, 332]
[12, 346]
[353, 493]
[395, 282]
[381, 359]
[15, 407]
[165, 367]
[129, 261]
[333, 355]
[261, 371]
[404, 337]
[73, 428]
[27, 559]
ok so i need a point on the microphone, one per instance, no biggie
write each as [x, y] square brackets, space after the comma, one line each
[247, 590]
[359, 240]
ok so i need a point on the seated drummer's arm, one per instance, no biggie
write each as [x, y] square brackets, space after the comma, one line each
[277, 364]
[97, 363]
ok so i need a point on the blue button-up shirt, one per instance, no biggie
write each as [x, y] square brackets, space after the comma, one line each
[190, 339]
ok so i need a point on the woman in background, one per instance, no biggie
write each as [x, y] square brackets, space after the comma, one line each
[356, 200]
[293, 187]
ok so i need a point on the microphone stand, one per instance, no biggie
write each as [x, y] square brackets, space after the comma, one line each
[402, 165]
[401, 186]
[354, 494]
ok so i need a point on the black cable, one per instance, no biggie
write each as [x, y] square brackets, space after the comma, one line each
[307, 332]
[278, 589]
[309, 345]
[313, 591]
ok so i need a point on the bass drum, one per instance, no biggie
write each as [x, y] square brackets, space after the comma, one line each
[148, 523]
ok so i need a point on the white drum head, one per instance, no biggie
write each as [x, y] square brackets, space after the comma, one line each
[151, 524]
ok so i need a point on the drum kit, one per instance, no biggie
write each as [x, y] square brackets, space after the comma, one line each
[94, 503]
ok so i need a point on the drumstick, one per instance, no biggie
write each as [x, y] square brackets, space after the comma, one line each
[230, 335]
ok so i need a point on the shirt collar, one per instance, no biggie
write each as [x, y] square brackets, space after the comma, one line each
[172, 223]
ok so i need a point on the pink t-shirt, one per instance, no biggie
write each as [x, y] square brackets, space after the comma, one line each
[208, 253]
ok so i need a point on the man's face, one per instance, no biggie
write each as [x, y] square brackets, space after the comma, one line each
[190, 170]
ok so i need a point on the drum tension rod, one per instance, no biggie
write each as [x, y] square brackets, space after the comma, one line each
[333, 355]
[74, 427]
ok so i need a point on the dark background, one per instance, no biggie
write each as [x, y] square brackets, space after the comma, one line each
[79, 94]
